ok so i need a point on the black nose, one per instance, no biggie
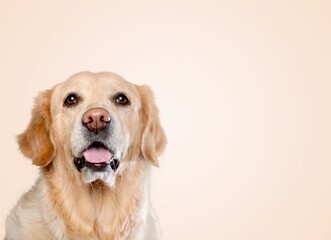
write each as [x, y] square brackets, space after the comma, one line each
[96, 119]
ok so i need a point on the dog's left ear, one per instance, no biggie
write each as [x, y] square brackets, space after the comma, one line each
[153, 138]
[36, 143]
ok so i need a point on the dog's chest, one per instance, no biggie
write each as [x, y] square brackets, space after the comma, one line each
[104, 216]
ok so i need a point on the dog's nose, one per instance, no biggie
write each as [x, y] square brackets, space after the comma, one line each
[96, 119]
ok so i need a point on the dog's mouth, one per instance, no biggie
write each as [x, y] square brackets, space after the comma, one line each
[96, 157]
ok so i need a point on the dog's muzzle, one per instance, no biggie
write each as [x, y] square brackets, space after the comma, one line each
[97, 157]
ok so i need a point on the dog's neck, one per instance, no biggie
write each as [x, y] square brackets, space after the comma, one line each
[84, 208]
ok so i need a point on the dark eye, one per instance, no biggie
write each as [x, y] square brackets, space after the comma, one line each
[122, 99]
[71, 100]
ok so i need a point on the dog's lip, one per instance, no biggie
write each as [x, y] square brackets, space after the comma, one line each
[102, 166]
[113, 163]
[97, 166]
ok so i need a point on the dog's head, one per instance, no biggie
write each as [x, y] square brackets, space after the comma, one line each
[97, 124]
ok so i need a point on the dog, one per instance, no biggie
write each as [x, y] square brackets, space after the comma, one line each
[95, 138]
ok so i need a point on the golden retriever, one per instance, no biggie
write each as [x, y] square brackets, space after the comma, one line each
[95, 137]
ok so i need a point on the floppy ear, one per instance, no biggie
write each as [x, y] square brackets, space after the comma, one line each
[35, 142]
[153, 139]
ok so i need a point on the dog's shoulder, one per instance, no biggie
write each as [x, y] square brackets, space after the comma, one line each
[27, 218]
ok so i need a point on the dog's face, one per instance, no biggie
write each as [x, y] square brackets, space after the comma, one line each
[97, 124]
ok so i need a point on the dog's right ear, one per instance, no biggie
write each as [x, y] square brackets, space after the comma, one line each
[35, 143]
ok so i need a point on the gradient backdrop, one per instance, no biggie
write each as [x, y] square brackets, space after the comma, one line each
[244, 93]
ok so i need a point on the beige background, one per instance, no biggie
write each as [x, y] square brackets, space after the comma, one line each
[244, 92]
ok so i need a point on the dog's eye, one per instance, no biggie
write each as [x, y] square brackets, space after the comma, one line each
[71, 100]
[122, 99]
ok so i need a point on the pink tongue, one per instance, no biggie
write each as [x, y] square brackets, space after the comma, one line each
[97, 155]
